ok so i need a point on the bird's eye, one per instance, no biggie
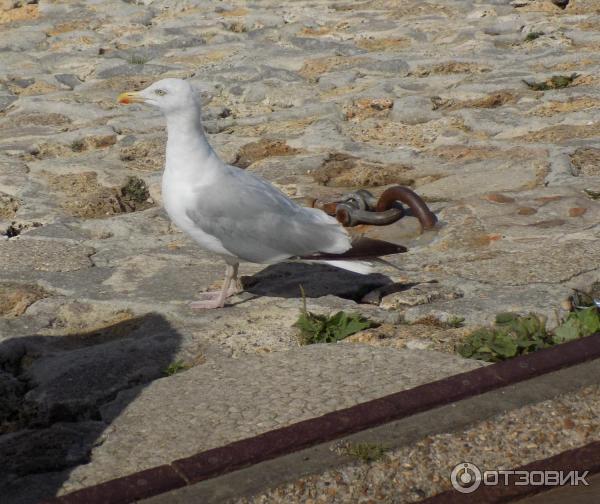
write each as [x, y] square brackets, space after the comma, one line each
[160, 92]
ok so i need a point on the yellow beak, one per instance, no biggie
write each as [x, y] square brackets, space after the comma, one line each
[130, 97]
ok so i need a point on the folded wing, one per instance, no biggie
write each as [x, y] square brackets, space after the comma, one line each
[257, 223]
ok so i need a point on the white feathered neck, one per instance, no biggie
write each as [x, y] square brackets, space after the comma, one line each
[187, 145]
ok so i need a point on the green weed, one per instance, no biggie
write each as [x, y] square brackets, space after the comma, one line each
[323, 329]
[135, 189]
[514, 334]
[578, 324]
[454, 322]
[175, 367]
[531, 36]
[554, 82]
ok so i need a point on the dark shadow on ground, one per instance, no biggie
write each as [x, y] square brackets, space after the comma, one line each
[55, 392]
[284, 280]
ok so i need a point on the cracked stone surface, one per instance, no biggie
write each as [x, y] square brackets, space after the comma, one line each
[315, 97]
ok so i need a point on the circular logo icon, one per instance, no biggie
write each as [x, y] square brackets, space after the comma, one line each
[465, 477]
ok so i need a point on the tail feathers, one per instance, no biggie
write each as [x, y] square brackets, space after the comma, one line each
[363, 248]
[362, 267]
[353, 259]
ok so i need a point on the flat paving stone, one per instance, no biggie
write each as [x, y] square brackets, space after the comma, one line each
[217, 403]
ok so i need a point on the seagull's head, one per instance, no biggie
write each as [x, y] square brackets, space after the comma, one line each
[169, 95]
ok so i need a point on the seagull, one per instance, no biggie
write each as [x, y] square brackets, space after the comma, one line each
[234, 213]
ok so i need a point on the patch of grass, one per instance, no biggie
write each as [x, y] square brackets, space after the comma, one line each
[175, 367]
[366, 452]
[531, 36]
[554, 82]
[323, 329]
[514, 334]
[78, 145]
[137, 59]
[135, 189]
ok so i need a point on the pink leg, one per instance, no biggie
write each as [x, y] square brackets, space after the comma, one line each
[208, 295]
[217, 299]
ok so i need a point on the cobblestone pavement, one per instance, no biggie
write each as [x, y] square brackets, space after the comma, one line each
[319, 98]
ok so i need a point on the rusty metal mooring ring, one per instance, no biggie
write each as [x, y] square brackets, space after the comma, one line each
[361, 207]
[350, 216]
[412, 200]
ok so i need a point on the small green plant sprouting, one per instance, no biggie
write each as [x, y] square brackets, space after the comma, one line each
[554, 82]
[77, 145]
[531, 36]
[137, 59]
[510, 336]
[563, 81]
[175, 367]
[367, 452]
[514, 334]
[454, 321]
[135, 189]
[578, 324]
[323, 329]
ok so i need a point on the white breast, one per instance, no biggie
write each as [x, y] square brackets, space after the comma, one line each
[178, 198]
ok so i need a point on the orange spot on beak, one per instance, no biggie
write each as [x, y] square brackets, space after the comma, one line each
[130, 97]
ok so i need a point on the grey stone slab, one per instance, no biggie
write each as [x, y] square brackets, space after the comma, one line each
[216, 403]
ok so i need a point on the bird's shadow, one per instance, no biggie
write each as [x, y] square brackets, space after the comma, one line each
[57, 397]
[317, 280]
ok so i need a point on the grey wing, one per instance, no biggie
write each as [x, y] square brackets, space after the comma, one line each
[257, 223]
